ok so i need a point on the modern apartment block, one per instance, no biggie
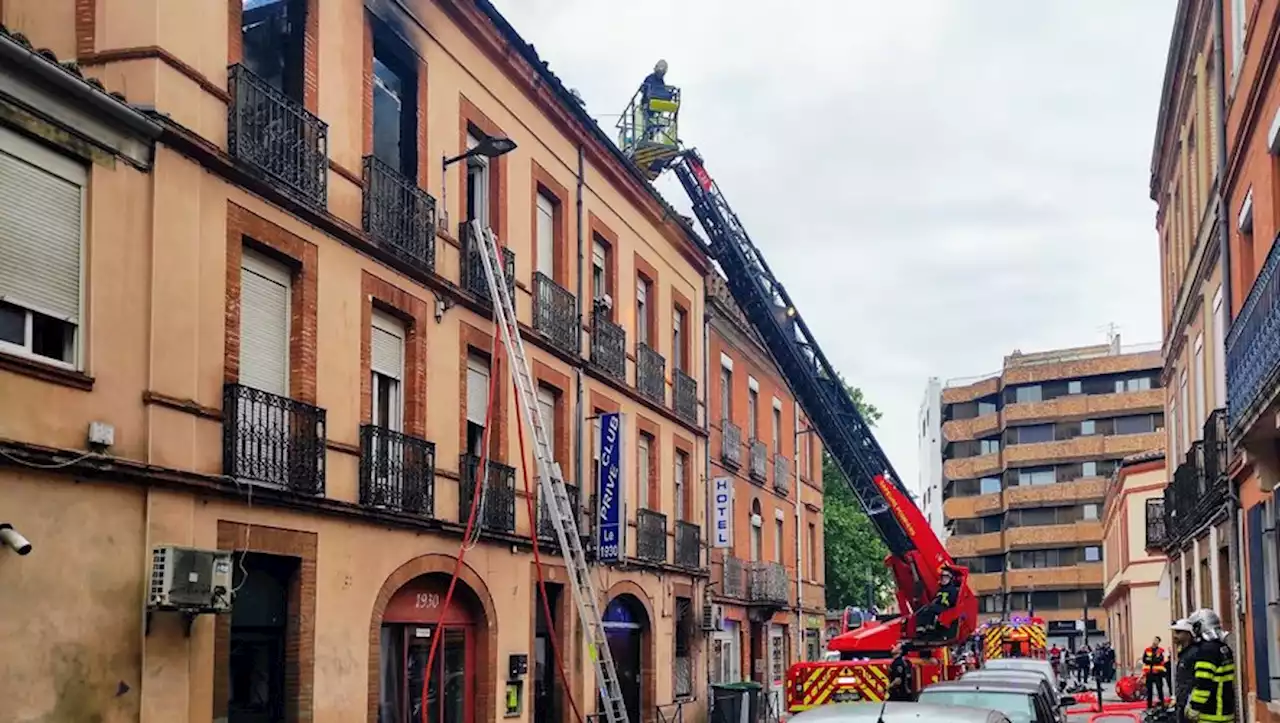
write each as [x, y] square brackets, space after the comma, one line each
[241, 312]
[767, 563]
[1026, 457]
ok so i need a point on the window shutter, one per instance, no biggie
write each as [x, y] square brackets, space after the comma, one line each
[547, 407]
[386, 346]
[40, 228]
[546, 235]
[264, 325]
[1258, 603]
[477, 389]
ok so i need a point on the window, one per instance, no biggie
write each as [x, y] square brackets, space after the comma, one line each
[643, 289]
[546, 235]
[986, 408]
[777, 429]
[988, 446]
[753, 407]
[1031, 393]
[1140, 424]
[260, 636]
[1088, 427]
[599, 269]
[1089, 469]
[725, 654]
[677, 339]
[757, 532]
[813, 551]
[264, 324]
[683, 645]
[726, 394]
[644, 470]
[1032, 434]
[1036, 476]
[1089, 511]
[777, 540]
[41, 202]
[1264, 582]
[547, 409]
[1219, 350]
[1174, 438]
[682, 465]
[272, 40]
[395, 117]
[803, 452]
[1074, 387]
[477, 185]
[1133, 384]
[1186, 410]
[478, 402]
[386, 366]
[988, 485]
[1237, 36]
[1093, 554]
[1197, 377]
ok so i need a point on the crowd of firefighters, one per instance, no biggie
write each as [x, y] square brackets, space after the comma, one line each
[1085, 663]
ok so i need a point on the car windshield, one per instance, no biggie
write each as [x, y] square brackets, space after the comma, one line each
[1017, 706]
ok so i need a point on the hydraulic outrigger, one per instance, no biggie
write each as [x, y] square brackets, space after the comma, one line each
[648, 134]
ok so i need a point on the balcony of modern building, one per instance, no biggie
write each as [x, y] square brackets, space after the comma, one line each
[986, 583]
[1041, 486]
[959, 393]
[1058, 531]
[970, 420]
[1081, 364]
[957, 508]
[1063, 577]
[978, 465]
[1085, 405]
[1082, 447]
[975, 545]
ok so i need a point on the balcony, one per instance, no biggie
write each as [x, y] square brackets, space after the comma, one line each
[1084, 532]
[399, 216]
[1157, 533]
[730, 444]
[1253, 348]
[474, 279]
[547, 528]
[971, 467]
[781, 474]
[273, 441]
[985, 543]
[497, 513]
[1081, 490]
[651, 374]
[651, 536]
[1217, 458]
[688, 545]
[555, 314]
[684, 396]
[1085, 574]
[397, 471]
[767, 584]
[1192, 499]
[758, 461]
[280, 139]
[733, 578]
[957, 508]
[608, 347]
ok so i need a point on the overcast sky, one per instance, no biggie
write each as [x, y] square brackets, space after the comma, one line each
[936, 182]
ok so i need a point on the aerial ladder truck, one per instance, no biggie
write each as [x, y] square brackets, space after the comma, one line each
[648, 134]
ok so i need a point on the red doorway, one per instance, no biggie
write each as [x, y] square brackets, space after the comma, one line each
[410, 622]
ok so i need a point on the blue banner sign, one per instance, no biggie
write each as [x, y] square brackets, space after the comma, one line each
[612, 521]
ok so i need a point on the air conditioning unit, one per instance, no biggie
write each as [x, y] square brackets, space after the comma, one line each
[712, 617]
[190, 580]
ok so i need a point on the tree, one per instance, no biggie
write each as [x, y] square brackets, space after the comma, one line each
[853, 548]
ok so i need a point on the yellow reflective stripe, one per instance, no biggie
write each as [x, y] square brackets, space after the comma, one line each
[1206, 675]
[1199, 696]
[1205, 665]
[1216, 717]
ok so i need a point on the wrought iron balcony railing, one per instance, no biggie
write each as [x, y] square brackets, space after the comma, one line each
[651, 535]
[730, 444]
[1157, 533]
[781, 474]
[279, 138]
[473, 276]
[1216, 454]
[651, 374]
[497, 511]
[555, 313]
[1191, 499]
[609, 347]
[767, 583]
[688, 545]
[398, 215]
[272, 440]
[758, 461]
[397, 471]
[684, 396]
[733, 578]
[1253, 346]
[546, 528]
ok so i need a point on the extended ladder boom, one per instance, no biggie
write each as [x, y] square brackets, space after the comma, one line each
[555, 497]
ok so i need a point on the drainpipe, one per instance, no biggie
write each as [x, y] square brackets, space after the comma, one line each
[706, 475]
[1224, 265]
[577, 369]
[795, 450]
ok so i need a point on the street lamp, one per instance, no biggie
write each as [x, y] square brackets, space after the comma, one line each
[487, 147]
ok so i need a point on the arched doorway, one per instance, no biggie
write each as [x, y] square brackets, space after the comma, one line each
[411, 619]
[626, 626]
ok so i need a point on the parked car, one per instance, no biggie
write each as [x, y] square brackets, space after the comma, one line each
[1054, 697]
[1021, 701]
[1042, 666]
[898, 713]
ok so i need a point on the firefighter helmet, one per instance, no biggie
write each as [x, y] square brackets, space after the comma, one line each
[1205, 624]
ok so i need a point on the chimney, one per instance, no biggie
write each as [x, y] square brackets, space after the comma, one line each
[1115, 343]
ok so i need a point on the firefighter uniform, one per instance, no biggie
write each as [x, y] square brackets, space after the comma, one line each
[1153, 667]
[901, 680]
[1213, 694]
[1186, 676]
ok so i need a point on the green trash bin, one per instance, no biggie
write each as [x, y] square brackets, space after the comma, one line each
[735, 702]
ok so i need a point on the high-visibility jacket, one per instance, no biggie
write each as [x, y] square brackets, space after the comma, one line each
[1213, 693]
[1153, 660]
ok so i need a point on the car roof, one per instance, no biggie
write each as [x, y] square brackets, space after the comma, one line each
[1019, 663]
[995, 686]
[897, 712]
[1009, 674]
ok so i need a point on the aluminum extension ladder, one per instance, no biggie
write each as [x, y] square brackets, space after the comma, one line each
[553, 493]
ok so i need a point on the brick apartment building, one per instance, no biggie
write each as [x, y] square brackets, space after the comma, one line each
[767, 575]
[243, 271]
[1026, 457]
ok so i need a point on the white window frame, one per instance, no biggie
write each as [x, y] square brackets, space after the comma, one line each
[642, 310]
[681, 464]
[545, 215]
[547, 410]
[1219, 350]
[677, 338]
[1186, 409]
[1197, 377]
[726, 393]
[68, 170]
[483, 207]
[644, 470]
[776, 421]
[779, 528]
[1238, 29]
[390, 325]
[599, 264]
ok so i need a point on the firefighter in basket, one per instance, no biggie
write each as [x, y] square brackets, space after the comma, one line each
[948, 592]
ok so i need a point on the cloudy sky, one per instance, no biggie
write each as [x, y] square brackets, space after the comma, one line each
[936, 182]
